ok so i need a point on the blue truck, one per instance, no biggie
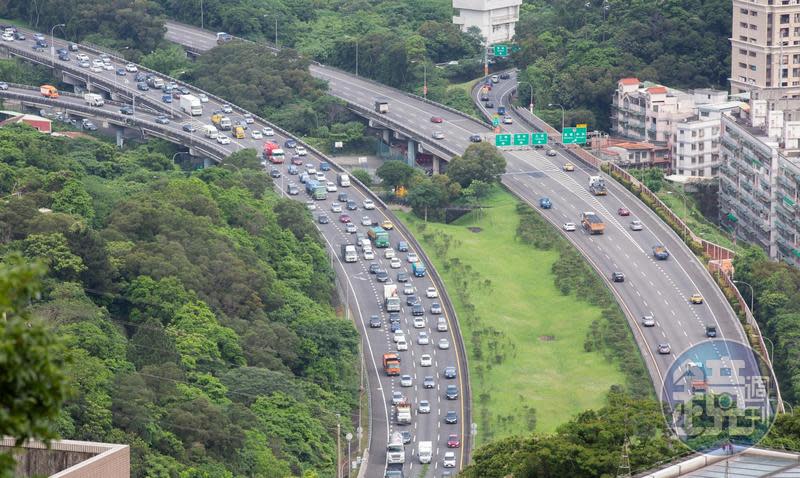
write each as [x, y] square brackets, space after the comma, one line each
[418, 268]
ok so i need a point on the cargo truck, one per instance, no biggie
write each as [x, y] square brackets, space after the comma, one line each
[349, 253]
[403, 415]
[395, 452]
[316, 190]
[221, 122]
[418, 268]
[48, 91]
[273, 152]
[209, 131]
[379, 236]
[93, 99]
[191, 105]
[382, 105]
[425, 451]
[592, 223]
[391, 364]
[390, 298]
[238, 132]
[597, 186]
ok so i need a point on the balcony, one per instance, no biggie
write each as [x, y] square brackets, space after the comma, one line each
[732, 146]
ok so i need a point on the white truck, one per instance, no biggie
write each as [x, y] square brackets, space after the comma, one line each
[395, 451]
[349, 253]
[390, 298]
[403, 415]
[209, 131]
[191, 105]
[93, 99]
[425, 451]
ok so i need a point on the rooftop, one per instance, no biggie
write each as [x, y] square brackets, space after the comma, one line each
[745, 463]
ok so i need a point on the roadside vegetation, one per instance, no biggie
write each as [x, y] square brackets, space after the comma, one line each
[541, 346]
[195, 310]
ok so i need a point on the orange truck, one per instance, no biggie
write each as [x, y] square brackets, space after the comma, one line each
[48, 91]
[391, 364]
[592, 223]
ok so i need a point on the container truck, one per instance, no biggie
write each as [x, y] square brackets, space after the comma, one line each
[382, 105]
[349, 253]
[273, 152]
[425, 451]
[597, 186]
[395, 450]
[93, 99]
[390, 298]
[592, 223]
[379, 236]
[391, 364]
[418, 268]
[191, 105]
[403, 414]
[48, 91]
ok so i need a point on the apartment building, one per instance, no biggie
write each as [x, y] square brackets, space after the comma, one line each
[496, 18]
[695, 140]
[760, 179]
[765, 50]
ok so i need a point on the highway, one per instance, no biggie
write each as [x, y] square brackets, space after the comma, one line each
[658, 288]
[365, 294]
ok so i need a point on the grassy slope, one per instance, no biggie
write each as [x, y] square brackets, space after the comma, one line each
[556, 378]
[695, 219]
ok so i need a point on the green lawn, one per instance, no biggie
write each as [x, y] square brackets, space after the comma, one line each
[517, 312]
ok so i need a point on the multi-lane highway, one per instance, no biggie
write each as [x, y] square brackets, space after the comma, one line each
[365, 295]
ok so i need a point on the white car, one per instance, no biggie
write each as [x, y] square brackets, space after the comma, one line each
[431, 293]
[336, 207]
[419, 322]
[108, 66]
[405, 381]
[395, 263]
[311, 171]
[368, 255]
[424, 407]
[366, 221]
[402, 345]
[222, 139]
[399, 335]
[441, 324]
[98, 62]
[636, 225]
[131, 68]
[408, 288]
[8, 37]
[508, 120]
[256, 134]
[268, 131]
[320, 176]
[397, 397]
[301, 151]
[425, 360]
[203, 98]
[438, 135]
[423, 338]
[412, 257]
[569, 226]
[311, 205]
[388, 253]
[248, 119]
[368, 204]
[96, 69]
[444, 344]
[449, 459]
[82, 57]
[331, 187]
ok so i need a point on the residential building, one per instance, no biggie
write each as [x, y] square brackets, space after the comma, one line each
[631, 154]
[760, 179]
[44, 125]
[69, 459]
[495, 18]
[645, 111]
[695, 140]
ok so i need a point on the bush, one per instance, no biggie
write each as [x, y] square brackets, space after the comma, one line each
[362, 175]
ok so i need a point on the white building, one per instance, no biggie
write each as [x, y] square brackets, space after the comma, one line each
[695, 142]
[495, 18]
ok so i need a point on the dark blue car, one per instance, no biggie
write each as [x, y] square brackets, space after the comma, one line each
[290, 143]
[324, 166]
[166, 98]
[545, 203]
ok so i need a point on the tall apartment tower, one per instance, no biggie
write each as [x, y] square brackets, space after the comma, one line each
[765, 51]
[495, 18]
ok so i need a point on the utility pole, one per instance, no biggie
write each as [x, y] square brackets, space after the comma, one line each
[338, 446]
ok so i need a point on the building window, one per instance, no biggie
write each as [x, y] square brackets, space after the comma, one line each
[743, 25]
[784, 18]
[753, 67]
[700, 173]
[743, 11]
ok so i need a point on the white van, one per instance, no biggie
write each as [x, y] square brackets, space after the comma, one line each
[343, 180]
[209, 131]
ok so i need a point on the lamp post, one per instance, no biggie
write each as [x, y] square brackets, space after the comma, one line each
[424, 77]
[752, 294]
[338, 445]
[349, 438]
[53, 43]
[531, 85]
[202, 16]
[563, 113]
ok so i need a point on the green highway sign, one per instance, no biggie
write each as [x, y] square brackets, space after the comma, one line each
[502, 140]
[522, 139]
[500, 50]
[573, 136]
[539, 138]
[515, 48]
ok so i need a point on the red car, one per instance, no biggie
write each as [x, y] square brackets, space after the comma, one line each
[623, 211]
[437, 119]
[297, 160]
[453, 441]
[345, 218]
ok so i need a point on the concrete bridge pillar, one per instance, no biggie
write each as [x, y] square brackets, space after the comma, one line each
[412, 153]
[120, 137]
[386, 136]
[436, 165]
[207, 163]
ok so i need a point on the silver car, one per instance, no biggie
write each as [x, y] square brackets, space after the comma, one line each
[424, 406]
[636, 225]
[649, 321]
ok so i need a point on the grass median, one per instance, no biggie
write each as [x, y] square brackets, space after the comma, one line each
[525, 339]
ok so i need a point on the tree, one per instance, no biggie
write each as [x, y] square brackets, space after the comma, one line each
[477, 191]
[53, 249]
[395, 173]
[73, 199]
[171, 60]
[480, 161]
[426, 198]
[362, 175]
[32, 383]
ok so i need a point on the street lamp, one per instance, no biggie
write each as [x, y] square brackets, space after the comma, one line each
[349, 438]
[53, 43]
[563, 113]
[752, 294]
[424, 77]
[202, 18]
[531, 85]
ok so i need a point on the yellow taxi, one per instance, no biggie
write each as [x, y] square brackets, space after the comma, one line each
[387, 224]
[569, 167]
[696, 299]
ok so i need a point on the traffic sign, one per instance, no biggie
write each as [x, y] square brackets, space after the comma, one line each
[573, 136]
[500, 50]
[522, 139]
[539, 138]
[502, 140]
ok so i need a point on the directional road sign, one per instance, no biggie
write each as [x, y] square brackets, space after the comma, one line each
[500, 50]
[502, 140]
[573, 136]
[539, 138]
[522, 139]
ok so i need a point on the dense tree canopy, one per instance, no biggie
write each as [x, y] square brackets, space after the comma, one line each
[195, 309]
[481, 161]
